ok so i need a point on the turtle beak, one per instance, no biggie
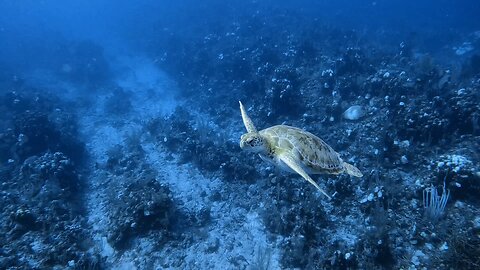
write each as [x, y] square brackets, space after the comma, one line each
[242, 144]
[242, 141]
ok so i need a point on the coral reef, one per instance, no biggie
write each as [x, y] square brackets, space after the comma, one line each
[42, 217]
[104, 178]
[38, 126]
[416, 115]
[142, 207]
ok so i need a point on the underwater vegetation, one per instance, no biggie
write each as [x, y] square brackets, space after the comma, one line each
[128, 156]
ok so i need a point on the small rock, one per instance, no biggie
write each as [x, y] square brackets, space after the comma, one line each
[354, 113]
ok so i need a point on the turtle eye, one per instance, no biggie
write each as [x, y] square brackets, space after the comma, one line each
[251, 142]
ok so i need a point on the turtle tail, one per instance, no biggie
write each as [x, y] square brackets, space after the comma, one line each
[352, 170]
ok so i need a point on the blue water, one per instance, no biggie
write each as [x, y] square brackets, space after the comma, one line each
[120, 134]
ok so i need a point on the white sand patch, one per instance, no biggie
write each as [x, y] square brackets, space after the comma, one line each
[184, 180]
[152, 89]
[101, 131]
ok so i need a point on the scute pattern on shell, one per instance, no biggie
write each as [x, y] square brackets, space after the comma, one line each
[316, 155]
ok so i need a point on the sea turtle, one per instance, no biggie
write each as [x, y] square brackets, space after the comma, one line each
[294, 150]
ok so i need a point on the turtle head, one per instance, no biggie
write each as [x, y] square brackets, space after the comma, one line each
[253, 142]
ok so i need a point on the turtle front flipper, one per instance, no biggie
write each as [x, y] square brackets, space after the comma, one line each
[294, 165]
[352, 170]
[246, 120]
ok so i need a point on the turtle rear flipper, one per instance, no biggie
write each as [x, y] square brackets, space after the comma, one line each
[352, 170]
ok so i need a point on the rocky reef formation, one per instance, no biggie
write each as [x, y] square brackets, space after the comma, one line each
[418, 127]
[43, 218]
[176, 191]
